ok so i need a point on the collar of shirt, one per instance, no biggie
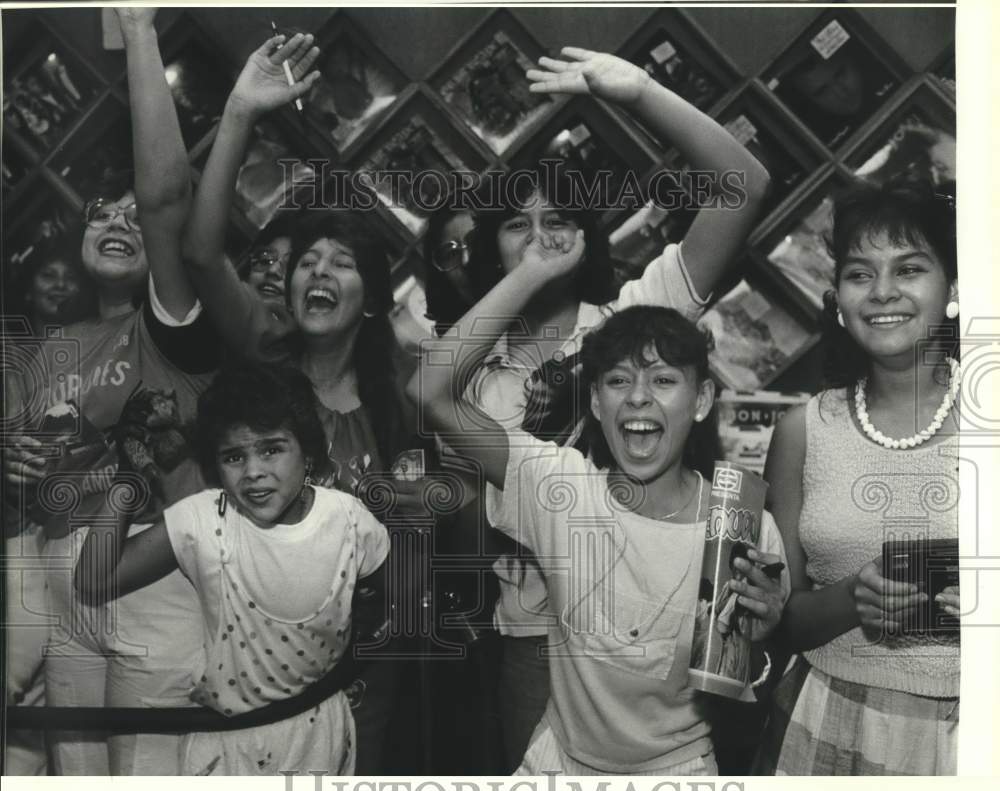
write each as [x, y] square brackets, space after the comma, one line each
[588, 317]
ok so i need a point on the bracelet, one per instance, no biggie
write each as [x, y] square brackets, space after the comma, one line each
[764, 673]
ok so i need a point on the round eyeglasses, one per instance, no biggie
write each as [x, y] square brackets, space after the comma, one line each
[451, 255]
[101, 213]
[264, 260]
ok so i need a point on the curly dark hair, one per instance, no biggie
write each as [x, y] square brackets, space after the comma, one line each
[376, 349]
[907, 212]
[678, 342]
[595, 278]
[46, 251]
[264, 398]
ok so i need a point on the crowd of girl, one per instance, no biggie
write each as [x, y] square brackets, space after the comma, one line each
[218, 434]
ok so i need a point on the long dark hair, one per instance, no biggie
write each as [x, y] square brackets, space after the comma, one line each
[910, 212]
[626, 336]
[375, 346]
[507, 194]
[445, 305]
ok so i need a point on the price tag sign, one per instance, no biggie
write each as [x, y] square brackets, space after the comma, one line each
[830, 39]
[664, 52]
[742, 129]
[578, 134]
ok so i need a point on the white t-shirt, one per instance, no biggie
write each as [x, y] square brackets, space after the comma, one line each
[276, 602]
[499, 390]
[623, 592]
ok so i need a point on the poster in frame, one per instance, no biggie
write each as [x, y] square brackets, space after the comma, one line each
[358, 83]
[410, 160]
[756, 338]
[483, 82]
[835, 76]
[47, 88]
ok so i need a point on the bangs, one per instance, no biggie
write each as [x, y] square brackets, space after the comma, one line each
[633, 333]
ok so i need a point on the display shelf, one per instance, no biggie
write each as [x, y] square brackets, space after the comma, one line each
[755, 121]
[46, 86]
[794, 256]
[102, 145]
[482, 83]
[416, 139]
[835, 76]
[473, 112]
[757, 336]
[674, 51]
[916, 141]
[199, 79]
[610, 159]
[358, 85]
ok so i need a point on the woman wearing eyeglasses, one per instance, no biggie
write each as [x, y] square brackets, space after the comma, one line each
[131, 373]
[447, 244]
[251, 317]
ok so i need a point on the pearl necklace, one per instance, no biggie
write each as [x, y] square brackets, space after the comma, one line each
[861, 407]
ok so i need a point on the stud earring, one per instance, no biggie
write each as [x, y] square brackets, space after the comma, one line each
[951, 309]
[698, 417]
[840, 318]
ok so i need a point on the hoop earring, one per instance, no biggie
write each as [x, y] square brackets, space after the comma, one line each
[951, 309]
[840, 318]
[368, 314]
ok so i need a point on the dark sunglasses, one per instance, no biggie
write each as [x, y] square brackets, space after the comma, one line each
[451, 255]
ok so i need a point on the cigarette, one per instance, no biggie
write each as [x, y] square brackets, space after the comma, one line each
[288, 72]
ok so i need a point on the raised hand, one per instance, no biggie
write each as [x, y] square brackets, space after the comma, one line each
[553, 255]
[135, 16]
[262, 85]
[584, 71]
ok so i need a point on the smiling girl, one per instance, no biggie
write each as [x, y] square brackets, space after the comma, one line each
[618, 535]
[865, 699]
[260, 440]
[91, 657]
[543, 342]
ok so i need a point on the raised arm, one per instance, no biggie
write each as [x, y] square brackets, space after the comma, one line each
[260, 88]
[448, 363]
[162, 174]
[716, 236]
[112, 565]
